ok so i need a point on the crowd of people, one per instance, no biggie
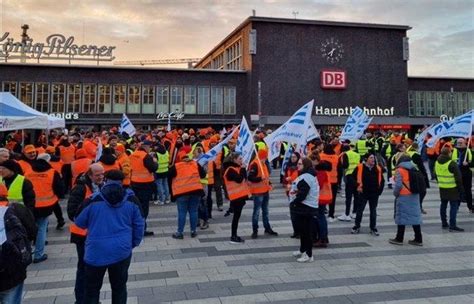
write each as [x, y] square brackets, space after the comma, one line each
[109, 180]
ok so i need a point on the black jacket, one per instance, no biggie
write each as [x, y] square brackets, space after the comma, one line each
[370, 186]
[27, 191]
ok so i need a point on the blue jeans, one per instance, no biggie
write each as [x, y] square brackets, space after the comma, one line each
[453, 212]
[188, 204]
[322, 223]
[260, 202]
[80, 274]
[13, 295]
[42, 224]
[162, 187]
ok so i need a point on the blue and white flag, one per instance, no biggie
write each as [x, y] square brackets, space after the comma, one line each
[245, 145]
[211, 154]
[362, 126]
[127, 126]
[420, 140]
[312, 132]
[293, 131]
[351, 129]
[286, 159]
[168, 128]
[98, 151]
[460, 126]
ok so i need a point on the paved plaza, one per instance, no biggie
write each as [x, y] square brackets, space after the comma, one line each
[354, 269]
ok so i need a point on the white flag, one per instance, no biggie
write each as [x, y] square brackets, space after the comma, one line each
[98, 152]
[293, 131]
[362, 126]
[460, 126]
[168, 128]
[211, 154]
[421, 138]
[350, 129]
[245, 145]
[127, 126]
[312, 132]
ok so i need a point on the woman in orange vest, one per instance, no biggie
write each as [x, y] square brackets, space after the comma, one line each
[330, 156]
[187, 190]
[67, 153]
[235, 181]
[260, 186]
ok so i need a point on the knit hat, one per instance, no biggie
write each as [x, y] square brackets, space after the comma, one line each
[115, 175]
[11, 165]
[44, 156]
[29, 149]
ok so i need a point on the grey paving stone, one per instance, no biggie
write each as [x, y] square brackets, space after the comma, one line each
[295, 285]
[162, 297]
[176, 288]
[156, 275]
[65, 299]
[219, 284]
[244, 290]
[328, 300]
[42, 300]
[208, 293]
[335, 282]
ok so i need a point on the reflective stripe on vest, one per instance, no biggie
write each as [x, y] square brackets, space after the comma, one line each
[187, 178]
[445, 178]
[405, 181]
[15, 191]
[360, 167]
[163, 162]
[333, 159]
[354, 159]
[43, 186]
[140, 173]
[73, 228]
[236, 190]
[263, 186]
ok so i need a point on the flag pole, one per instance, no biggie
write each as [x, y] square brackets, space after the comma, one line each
[470, 137]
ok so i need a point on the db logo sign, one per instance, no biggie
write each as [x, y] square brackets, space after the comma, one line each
[333, 79]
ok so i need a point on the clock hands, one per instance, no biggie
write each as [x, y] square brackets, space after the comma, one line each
[331, 52]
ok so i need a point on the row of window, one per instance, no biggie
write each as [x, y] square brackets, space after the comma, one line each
[133, 99]
[436, 103]
[229, 59]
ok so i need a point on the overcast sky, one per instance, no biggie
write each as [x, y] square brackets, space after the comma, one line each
[441, 41]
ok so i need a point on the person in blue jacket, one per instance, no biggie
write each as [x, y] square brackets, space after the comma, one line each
[114, 226]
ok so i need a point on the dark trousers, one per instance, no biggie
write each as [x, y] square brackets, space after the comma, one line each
[401, 233]
[431, 165]
[67, 176]
[118, 276]
[362, 202]
[294, 224]
[332, 206]
[237, 207]
[306, 227]
[218, 189]
[80, 274]
[209, 200]
[351, 191]
[422, 197]
[144, 196]
[467, 185]
[453, 212]
[58, 212]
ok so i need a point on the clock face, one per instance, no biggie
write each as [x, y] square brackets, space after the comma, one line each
[332, 50]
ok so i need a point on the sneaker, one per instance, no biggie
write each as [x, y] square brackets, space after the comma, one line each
[445, 226]
[395, 242]
[148, 233]
[204, 225]
[305, 258]
[44, 257]
[271, 232]
[353, 216]
[220, 209]
[295, 236]
[320, 244]
[236, 240]
[374, 232]
[60, 225]
[344, 218]
[423, 211]
[157, 202]
[456, 229]
[331, 219]
[177, 236]
[297, 254]
[355, 230]
[193, 234]
[254, 234]
[415, 243]
[167, 201]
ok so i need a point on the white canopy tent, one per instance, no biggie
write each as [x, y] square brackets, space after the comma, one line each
[15, 115]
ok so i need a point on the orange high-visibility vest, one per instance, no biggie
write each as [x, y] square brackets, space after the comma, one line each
[360, 167]
[210, 173]
[73, 228]
[79, 167]
[25, 166]
[40, 150]
[3, 202]
[325, 192]
[90, 147]
[57, 166]
[337, 148]
[139, 173]
[333, 159]
[107, 168]
[431, 151]
[43, 187]
[124, 162]
[405, 181]
[397, 139]
[234, 189]
[67, 154]
[263, 186]
[187, 178]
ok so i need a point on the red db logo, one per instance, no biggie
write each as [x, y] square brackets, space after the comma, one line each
[333, 79]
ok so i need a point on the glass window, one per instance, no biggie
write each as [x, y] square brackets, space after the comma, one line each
[163, 97]
[411, 103]
[58, 98]
[42, 97]
[451, 104]
[420, 103]
[89, 98]
[134, 98]
[229, 100]
[190, 100]
[26, 93]
[218, 62]
[216, 100]
[73, 98]
[462, 103]
[471, 100]
[440, 103]
[203, 100]
[10, 86]
[176, 99]
[148, 106]
[430, 103]
[234, 56]
[105, 98]
[119, 98]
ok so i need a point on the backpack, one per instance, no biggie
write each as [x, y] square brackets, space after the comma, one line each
[417, 181]
[15, 252]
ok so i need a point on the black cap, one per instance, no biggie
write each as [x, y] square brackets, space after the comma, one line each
[115, 175]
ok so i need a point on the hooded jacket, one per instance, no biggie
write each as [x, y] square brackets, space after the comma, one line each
[451, 194]
[115, 225]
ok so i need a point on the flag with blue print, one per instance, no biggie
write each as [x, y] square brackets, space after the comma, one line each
[211, 154]
[420, 139]
[245, 145]
[293, 131]
[312, 132]
[286, 159]
[362, 126]
[351, 127]
[127, 126]
[460, 126]
[98, 151]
